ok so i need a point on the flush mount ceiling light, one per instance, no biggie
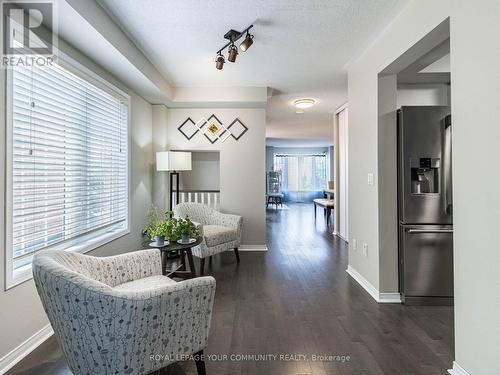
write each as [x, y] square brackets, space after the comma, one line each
[304, 103]
[233, 36]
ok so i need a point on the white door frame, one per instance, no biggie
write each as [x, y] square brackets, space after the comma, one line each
[338, 185]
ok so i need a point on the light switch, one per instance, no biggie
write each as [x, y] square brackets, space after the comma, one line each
[354, 244]
[371, 179]
[365, 250]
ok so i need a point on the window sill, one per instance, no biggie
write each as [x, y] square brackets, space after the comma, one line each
[84, 245]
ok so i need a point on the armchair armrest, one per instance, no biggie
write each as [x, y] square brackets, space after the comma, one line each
[174, 318]
[228, 220]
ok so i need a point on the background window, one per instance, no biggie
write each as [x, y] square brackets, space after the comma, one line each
[304, 176]
[67, 164]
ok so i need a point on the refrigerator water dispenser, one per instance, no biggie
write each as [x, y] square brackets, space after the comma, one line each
[425, 175]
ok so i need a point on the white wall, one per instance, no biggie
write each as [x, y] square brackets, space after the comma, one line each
[242, 162]
[475, 57]
[21, 313]
[423, 94]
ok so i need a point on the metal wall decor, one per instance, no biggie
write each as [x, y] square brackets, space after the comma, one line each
[190, 128]
[212, 128]
[240, 129]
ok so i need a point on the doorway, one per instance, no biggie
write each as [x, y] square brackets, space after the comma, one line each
[415, 89]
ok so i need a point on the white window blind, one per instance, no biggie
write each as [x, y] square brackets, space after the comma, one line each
[68, 161]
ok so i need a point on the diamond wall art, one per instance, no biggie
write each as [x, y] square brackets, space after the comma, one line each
[212, 128]
[238, 130]
[188, 128]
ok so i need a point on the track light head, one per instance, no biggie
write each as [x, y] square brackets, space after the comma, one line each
[247, 42]
[219, 61]
[232, 53]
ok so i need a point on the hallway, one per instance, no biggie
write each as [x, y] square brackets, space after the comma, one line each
[297, 299]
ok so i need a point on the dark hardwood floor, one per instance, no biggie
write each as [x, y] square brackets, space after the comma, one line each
[298, 299]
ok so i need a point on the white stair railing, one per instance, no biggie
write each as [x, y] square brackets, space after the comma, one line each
[209, 197]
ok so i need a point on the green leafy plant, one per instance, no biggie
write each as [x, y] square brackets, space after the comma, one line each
[155, 220]
[185, 227]
[167, 227]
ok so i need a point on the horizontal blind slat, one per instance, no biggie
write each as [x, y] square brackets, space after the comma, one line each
[70, 163]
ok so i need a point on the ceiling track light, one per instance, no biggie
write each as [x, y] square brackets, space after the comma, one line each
[233, 36]
[247, 42]
[232, 53]
[219, 61]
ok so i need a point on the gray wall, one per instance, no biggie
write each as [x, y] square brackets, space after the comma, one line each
[21, 313]
[475, 57]
[269, 158]
[205, 173]
[387, 185]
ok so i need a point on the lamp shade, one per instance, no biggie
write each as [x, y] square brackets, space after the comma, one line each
[173, 161]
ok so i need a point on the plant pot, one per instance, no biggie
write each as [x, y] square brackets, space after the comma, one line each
[184, 238]
[159, 241]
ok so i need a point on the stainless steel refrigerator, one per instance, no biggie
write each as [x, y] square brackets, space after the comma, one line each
[425, 208]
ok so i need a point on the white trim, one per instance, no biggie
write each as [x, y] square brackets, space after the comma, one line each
[389, 297]
[342, 107]
[377, 296]
[457, 370]
[335, 233]
[17, 354]
[253, 248]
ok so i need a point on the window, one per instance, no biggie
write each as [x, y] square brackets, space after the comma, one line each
[67, 164]
[302, 173]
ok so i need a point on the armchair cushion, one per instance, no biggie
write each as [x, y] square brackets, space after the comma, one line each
[217, 234]
[145, 284]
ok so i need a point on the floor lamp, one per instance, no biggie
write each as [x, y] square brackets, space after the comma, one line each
[173, 161]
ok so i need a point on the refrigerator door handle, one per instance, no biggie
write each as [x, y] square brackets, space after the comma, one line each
[448, 207]
[416, 231]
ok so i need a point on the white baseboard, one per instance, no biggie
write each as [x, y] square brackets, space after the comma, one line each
[377, 296]
[341, 237]
[389, 297]
[252, 248]
[17, 354]
[457, 370]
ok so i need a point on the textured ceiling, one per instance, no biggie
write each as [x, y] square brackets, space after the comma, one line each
[300, 49]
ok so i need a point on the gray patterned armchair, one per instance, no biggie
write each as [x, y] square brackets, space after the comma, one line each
[119, 315]
[221, 232]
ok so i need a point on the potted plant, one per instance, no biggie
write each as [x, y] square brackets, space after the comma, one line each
[155, 228]
[185, 229]
[168, 227]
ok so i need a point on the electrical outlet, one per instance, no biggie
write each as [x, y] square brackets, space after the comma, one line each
[354, 244]
[365, 250]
